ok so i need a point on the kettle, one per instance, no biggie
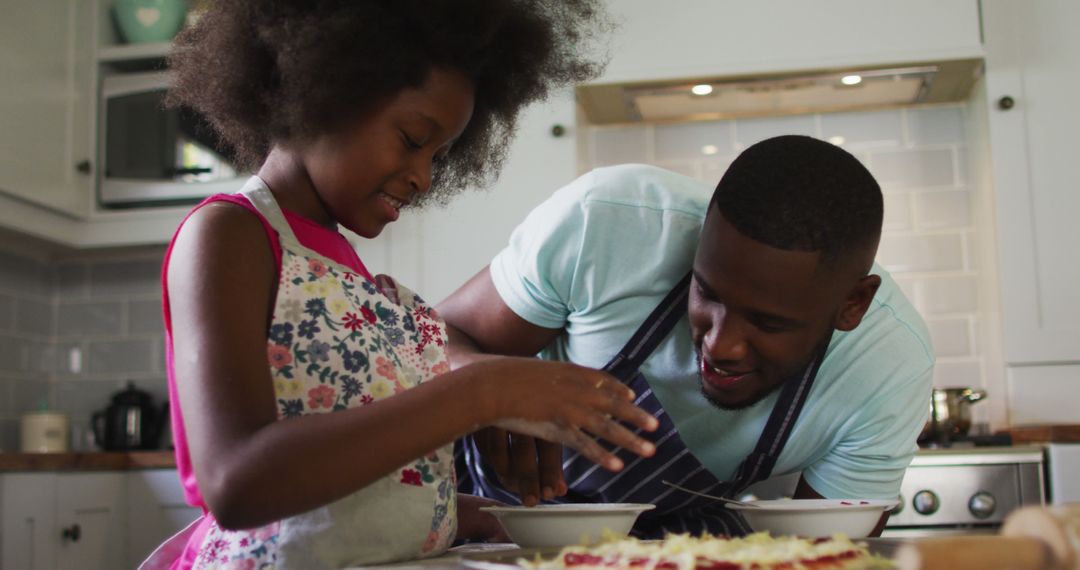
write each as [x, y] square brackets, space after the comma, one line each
[130, 422]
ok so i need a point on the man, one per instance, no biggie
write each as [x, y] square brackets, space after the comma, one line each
[755, 326]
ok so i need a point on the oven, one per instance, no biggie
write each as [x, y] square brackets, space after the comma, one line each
[966, 490]
[955, 490]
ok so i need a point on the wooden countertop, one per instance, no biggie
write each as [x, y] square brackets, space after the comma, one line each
[93, 461]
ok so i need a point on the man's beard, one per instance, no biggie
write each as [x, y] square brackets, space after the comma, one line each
[796, 374]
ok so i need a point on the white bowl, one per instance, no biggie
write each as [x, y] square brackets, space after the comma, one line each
[815, 517]
[561, 525]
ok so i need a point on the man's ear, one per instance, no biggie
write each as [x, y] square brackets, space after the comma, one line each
[857, 302]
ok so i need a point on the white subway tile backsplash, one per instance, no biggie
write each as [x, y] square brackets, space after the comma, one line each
[686, 167]
[144, 317]
[897, 211]
[72, 280]
[135, 277]
[947, 295]
[7, 313]
[942, 252]
[713, 170]
[958, 374]
[34, 317]
[1048, 394]
[916, 168]
[89, 319]
[14, 354]
[951, 337]
[936, 125]
[120, 357]
[942, 209]
[750, 131]
[862, 130]
[619, 145]
[692, 141]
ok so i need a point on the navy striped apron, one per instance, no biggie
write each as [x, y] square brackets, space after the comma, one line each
[640, 479]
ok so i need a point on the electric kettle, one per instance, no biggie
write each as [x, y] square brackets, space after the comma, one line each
[130, 422]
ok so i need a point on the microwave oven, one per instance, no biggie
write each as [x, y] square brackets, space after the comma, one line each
[153, 156]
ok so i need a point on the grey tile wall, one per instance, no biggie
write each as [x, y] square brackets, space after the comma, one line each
[74, 331]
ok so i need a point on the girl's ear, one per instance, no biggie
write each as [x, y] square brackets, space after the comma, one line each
[857, 302]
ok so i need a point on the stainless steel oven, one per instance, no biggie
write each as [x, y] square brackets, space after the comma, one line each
[966, 490]
[958, 490]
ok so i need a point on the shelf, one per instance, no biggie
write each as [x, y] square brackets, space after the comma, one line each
[133, 52]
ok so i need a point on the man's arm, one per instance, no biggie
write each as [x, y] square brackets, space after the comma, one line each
[481, 326]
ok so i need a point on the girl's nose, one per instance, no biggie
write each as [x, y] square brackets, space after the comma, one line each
[419, 177]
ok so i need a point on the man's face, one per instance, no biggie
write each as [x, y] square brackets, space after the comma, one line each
[757, 314]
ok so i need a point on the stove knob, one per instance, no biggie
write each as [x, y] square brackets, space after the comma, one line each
[925, 502]
[982, 504]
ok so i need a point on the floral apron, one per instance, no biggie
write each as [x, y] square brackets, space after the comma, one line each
[338, 341]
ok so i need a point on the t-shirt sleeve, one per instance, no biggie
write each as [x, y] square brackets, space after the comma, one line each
[870, 459]
[535, 273]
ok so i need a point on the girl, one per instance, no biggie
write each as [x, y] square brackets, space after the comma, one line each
[312, 402]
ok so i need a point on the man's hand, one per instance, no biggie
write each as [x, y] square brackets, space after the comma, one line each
[530, 467]
[474, 524]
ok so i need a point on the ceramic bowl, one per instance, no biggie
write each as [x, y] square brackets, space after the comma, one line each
[144, 21]
[815, 517]
[561, 525]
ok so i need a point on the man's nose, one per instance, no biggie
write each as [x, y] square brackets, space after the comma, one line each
[725, 341]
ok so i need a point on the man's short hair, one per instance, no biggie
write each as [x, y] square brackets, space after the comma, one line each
[799, 193]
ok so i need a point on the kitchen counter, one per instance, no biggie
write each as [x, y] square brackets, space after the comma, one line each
[93, 461]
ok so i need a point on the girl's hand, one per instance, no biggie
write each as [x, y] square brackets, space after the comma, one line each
[564, 403]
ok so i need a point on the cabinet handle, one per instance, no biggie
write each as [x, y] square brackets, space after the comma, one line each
[558, 131]
[83, 166]
[1006, 103]
[72, 533]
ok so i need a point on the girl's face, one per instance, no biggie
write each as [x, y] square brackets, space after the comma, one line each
[366, 173]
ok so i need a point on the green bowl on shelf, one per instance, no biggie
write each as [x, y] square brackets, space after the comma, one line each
[149, 21]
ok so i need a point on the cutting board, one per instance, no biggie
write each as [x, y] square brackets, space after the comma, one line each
[1045, 433]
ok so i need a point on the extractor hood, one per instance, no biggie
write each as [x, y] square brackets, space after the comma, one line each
[814, 91]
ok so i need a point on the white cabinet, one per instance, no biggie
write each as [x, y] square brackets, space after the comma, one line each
[46, 103]
[700, 38]
[155, 511]
[87, 521]
[1032, 75]
[62, 520]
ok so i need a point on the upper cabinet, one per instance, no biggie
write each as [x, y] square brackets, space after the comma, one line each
[46, 104]
[1032, 75]
[703, 38]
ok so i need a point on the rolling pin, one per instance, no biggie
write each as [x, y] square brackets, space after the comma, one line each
[1032, 538]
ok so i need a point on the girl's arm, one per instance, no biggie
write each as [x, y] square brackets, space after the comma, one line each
[221, 280]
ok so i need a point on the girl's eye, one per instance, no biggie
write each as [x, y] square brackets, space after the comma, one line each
[409, 142]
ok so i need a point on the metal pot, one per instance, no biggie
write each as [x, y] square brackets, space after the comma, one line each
[950, 413]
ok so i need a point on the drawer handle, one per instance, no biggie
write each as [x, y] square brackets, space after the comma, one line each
[72, 533]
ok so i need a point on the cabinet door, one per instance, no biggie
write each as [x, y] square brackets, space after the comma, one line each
[156, 511]
[1032, 77]
[701, 38]
[27, 540]
[46, 102]
[90, 521]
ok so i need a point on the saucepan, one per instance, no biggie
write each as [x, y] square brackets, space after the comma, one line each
[950, 413]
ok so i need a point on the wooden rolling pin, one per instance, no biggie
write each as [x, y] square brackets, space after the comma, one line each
[1032, 538]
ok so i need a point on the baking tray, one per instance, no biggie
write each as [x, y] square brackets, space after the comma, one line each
[502, 557]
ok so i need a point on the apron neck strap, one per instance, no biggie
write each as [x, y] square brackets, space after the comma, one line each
[258, 193]
[651, 332]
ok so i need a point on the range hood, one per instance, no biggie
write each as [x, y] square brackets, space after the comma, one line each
[814, 91]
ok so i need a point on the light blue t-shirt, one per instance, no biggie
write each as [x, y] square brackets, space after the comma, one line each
[602, 252]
